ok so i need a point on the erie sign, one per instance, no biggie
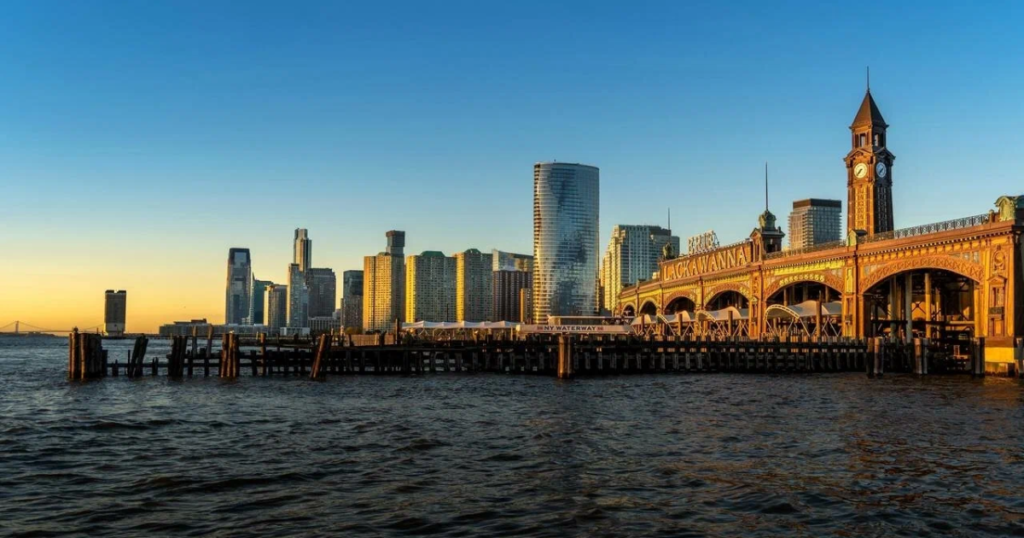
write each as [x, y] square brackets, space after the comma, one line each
[711, 262]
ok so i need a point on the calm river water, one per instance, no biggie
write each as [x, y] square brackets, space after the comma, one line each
[505, 455]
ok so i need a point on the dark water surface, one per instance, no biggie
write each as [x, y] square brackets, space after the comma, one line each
[492, 455]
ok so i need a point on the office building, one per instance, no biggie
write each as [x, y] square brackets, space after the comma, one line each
[430, 287]
[566, 204]
[352, 299]
[325, 324]
[257, 305]
[277, 307]
[323, 292]
[239, 286]
[115, 309]
[302, 250]
[506, 298]
[298, 297]
[814, 222]
[384, 285]
[632, 256]
[473, 286]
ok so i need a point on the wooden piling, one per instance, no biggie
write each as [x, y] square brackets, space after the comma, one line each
[564, 356]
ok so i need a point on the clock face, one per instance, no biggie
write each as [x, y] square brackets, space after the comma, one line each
[881, 170]
[860, 170]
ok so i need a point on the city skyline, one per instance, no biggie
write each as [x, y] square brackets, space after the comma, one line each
[101, 175]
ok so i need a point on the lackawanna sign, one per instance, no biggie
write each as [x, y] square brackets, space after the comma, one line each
[712, 262]
[575, 329]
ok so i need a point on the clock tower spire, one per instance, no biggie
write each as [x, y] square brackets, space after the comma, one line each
[869, 172]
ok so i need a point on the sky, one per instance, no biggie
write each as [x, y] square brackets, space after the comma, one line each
[139, 141]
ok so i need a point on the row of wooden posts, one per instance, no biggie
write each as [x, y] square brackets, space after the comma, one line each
[560, 355]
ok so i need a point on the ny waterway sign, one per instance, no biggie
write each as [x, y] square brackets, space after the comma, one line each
[574, 329]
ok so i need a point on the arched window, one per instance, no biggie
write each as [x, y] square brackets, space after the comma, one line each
[861, 140]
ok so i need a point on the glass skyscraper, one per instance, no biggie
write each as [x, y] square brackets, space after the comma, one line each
[237, 300]
[565, 240]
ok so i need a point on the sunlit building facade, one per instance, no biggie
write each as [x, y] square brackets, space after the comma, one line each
[430, 287]
[632, 256]
[815, 222]
[384, 285]
[473, 286]
[566, 206]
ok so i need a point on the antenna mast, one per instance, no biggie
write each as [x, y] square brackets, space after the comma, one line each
[766, 186]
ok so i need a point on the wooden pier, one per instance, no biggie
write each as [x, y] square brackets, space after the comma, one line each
[564, 356]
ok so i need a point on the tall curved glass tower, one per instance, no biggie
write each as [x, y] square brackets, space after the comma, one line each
[565, 240]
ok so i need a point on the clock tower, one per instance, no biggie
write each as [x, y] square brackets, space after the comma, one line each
[869, 172]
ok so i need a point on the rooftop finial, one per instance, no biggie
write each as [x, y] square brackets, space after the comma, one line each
[670, 219]
[869, 77]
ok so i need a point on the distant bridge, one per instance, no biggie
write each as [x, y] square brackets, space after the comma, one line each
[20, 327]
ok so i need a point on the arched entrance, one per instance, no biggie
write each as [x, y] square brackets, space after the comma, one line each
[628, 311]
[727, 299]
[800, 292]
[649, 309]
[680, 304]
[924, 303]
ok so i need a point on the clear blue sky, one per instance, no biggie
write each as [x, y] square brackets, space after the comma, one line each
[163, 133]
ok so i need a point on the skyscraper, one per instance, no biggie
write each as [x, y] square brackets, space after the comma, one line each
[115, 310]
[566, 203]
[384, 285]
[473, 286]
[277, 307]
[302, 250]
[506, 297]
[257, 310]
[430, 287]
[352, 299]
[298, 297]
[512, 273]
[814, 222]
[323, 292]
[237, 303]
[632, 255]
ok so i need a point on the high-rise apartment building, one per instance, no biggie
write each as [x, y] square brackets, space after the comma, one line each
[510, 261]
[511, 274]
[473, 286]
[566, 204]
[302, 250]
[384, 285]
[237, 303]
[352, 299]
[298, 297]
[322, 284]
[507, 294]
[632, 255]
[430, 287]
[277, 307]
[814, 221]
[257, 308]
[115, 309]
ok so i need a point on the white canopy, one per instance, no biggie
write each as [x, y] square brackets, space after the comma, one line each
[645, 319]
[804, 310]
[682, 316]
[723, 314]
[458, 325]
